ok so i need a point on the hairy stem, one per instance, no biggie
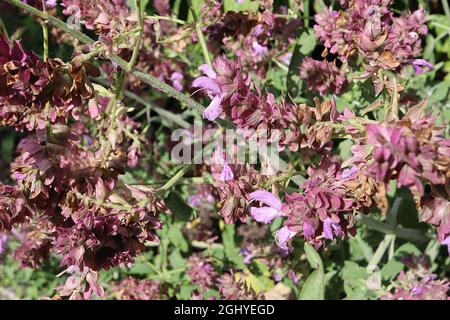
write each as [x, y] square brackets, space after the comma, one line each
[403, 233]
[137, 46]
[199, 32]
[79, 60]
[379, 253]
[174, 20]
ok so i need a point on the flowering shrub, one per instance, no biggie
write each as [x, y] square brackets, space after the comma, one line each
[224, 149]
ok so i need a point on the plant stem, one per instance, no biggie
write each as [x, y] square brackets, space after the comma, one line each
[191, 180]
[403, 233]
[205, 245]
[280, 65]
[394, 101]
[379, 253]
[446, 8]
[137, 46]
[88, 56]
[3, 28]
[175, 20]
[306, 13]
[45, 34]
[162, 112]
[199, 32]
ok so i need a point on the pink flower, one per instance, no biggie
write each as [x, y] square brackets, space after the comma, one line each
[447, 243]
[219, 161]
[308, 229]
[213, 91]
[3, 242]
[224, 84]
[331, 229]
[176, 78]
[259, 50]
[268, 213]
[283, 236]
[418, 65]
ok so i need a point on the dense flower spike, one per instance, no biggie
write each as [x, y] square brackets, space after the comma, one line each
[327, 207]
[104, 17]
[13, 207]
[256, 38]
[89, 219]
[327, 123]
[23, 78]
[415, 151]
[385, 42]
[33, 93]
[235, 193]
[224, 84]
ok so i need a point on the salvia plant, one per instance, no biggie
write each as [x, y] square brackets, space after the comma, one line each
[233, 149]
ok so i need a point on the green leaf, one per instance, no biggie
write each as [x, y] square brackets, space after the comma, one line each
[7, 146]
[176, 237]
[359, 249]
[352, 271]
[294, 83]
[355, 281]
[186, 292]
[176, 260]
[132, 4]
[319, 5]
[313, 257]
[440, 92]
[246, 5]
[180, 209]
[141, 268]
[345, 149]
[307, 42]
[232, 252]
[314, 287]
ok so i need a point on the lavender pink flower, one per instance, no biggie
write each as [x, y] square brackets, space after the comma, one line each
[222, 83]
[272, 210]
[420, 65]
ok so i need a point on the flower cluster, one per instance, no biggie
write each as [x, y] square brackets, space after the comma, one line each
[34, 92]
[108, 17]
[135, 289]
[415, 152]
[90, 157]
[370, 29]
[255, 38]
[13, 207]
[202, 274]
[326, 208]
[118, 31]
[67, 176]
[418, 283]
[234, 190]
[251, 111]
